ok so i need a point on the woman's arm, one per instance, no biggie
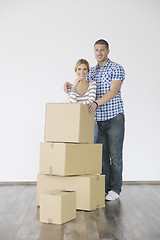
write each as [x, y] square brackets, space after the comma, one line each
[72, 96]
[92, 92]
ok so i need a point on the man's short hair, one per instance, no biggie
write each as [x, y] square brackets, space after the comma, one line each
[102, 41]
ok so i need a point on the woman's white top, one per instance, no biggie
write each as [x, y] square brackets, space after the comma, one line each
[88, 97]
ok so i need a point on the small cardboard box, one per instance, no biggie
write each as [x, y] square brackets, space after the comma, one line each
[69, 122]
[57, 207]
[70, 158]
[90, 189]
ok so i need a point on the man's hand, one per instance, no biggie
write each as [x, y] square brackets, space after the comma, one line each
[66, 85]
[92, 107]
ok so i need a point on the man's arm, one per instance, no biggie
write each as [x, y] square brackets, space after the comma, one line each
[114, 88]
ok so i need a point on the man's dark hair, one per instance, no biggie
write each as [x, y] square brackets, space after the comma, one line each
[102, 41]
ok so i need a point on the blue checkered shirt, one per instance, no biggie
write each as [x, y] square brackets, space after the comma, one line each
[103, 77]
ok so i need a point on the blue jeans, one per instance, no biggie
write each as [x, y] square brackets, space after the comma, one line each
[111, 135]
[95, 133]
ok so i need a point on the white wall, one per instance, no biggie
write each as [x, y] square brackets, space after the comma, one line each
[40, 42]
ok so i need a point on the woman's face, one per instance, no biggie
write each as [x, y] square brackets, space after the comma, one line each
[82, 71]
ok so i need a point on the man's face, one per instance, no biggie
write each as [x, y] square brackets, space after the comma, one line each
[101, 53]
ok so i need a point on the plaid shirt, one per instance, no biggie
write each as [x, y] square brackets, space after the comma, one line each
[103, 77]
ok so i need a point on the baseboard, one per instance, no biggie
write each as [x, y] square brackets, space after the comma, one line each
[19, 183]
[124, 183]
[141, 182]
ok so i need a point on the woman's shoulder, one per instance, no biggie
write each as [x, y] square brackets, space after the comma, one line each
[92, 83]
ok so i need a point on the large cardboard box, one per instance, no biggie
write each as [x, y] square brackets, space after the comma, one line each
[69, 122]
[57, 206]
[70, 159]
[90, 189]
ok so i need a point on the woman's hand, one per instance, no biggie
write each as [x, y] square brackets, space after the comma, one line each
[66, 86]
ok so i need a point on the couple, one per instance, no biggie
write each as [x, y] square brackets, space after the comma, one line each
[104, 80]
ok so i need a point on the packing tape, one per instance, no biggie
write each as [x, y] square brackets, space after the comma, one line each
[50, 220]
[52, 145]
[97, 178]
[50, 170]
[62, 104]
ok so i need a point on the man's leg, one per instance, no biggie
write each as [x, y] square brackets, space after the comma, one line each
[102, 138]
[95, 133]
[115, 135]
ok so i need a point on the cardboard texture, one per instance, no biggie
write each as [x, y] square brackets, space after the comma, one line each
[70, 159]
[57, 207]
[69, 122]
[90, 189]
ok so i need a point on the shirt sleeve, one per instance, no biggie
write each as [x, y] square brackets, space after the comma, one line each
[72, 97]
[118, 73]
[92, 92]
[90, 76]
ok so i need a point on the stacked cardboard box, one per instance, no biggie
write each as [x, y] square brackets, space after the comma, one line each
[58, 206]
[69, 161]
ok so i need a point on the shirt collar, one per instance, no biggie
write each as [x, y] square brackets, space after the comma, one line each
[105, 66]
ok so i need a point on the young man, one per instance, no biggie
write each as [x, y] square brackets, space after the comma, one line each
[109, 113]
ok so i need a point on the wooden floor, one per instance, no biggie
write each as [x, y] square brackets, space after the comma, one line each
[136, 215]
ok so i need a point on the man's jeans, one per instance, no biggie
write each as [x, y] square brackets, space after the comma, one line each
[95, 133]
[111, 135]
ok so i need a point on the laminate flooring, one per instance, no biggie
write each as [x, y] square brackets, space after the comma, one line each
[135, 216]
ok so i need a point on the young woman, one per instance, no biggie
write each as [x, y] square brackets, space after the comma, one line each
[83, 91]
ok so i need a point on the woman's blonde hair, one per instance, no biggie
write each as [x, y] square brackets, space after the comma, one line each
[82, 61]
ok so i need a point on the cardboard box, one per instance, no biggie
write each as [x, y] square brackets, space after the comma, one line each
[70, 158]
[57, 207]
[69, 122]
[90, 189]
